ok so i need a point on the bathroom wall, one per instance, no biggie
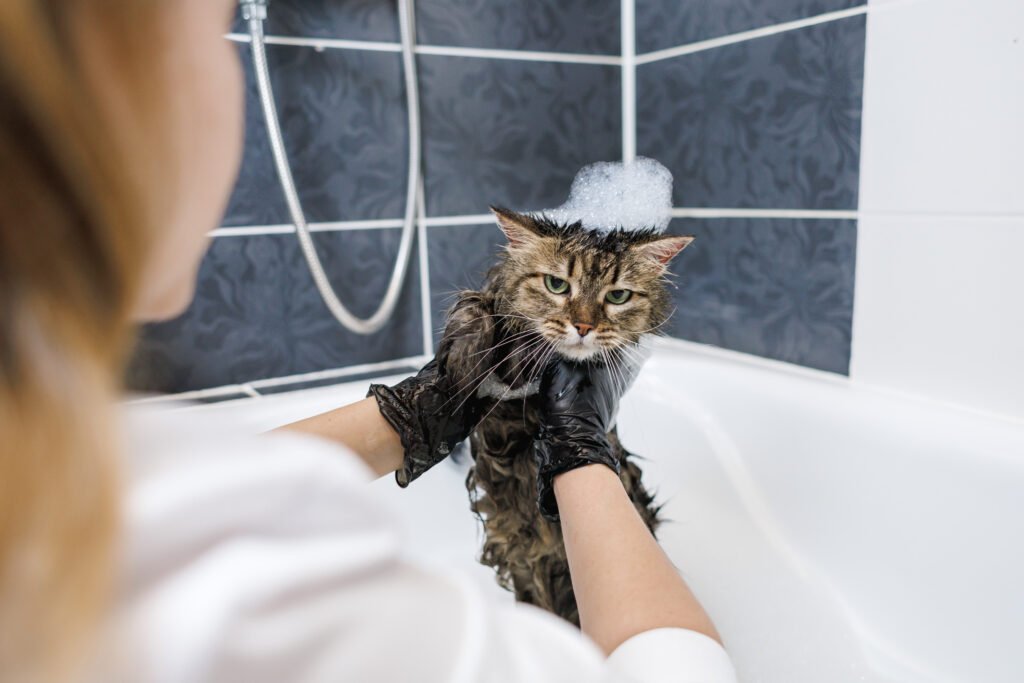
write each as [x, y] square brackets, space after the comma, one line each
[755, 107]
[758, 118]
[939, 276]
[496, 129]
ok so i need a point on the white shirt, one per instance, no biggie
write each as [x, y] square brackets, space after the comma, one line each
[268, 558]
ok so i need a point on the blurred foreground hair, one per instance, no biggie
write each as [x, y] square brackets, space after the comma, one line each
[76, 191]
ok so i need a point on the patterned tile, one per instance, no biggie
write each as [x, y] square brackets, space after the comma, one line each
[776, 288]
[513, 133]
[343, 118]
[583, 26]
[668, 23]
[768, 123]
[459, 257]
[781, 289]
[257, 313]
[586, 26]
[347, 19]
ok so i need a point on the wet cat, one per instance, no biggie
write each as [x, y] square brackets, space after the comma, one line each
[558, 290]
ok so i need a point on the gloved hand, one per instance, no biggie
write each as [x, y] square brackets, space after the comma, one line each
[580, 402]
[429, 417]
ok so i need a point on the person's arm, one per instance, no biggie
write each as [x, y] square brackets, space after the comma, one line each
[361, 428]
[406, 428]
[623, 581]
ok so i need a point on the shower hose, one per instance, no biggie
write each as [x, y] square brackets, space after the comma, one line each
[255, 12]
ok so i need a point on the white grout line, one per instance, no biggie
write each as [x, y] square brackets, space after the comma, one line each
[628, 59]
[628, 21]
[523, 55]
[213, 392]
[337, 373]
[763, 213]
[251, 389]
[289, 229]
[702, 45]
[321, 44]
[678, 212]
[426, 311]
[954, 216]
[475, 219]
[248, 389]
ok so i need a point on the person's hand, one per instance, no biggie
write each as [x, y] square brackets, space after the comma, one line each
[580, 402]
[430, 417]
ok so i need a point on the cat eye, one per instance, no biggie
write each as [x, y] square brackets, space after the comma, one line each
[618, 296]
[556, 285]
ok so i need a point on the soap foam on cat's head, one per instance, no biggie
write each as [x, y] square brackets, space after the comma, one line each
[607, 195]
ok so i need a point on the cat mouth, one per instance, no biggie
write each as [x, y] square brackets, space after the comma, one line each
[577, 352]
[576, 349]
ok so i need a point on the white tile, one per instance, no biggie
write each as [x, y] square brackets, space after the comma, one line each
[943, 127]
[939, 309]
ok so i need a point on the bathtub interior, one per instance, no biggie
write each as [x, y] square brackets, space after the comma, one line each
[835, 533]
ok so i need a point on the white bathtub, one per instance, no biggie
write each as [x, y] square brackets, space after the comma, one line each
[835, 533]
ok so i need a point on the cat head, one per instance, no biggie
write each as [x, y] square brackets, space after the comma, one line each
[583, 291]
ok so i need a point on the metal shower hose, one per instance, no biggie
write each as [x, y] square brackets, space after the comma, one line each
[255, 12]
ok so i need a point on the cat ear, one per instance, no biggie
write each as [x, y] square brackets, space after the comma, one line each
[519, 228]
[666, 248]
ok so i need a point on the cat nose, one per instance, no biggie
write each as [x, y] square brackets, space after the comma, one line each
[583, 328]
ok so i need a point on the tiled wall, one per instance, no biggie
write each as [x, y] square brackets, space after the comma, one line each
[939, 281]
[759, 122]
[763, 130]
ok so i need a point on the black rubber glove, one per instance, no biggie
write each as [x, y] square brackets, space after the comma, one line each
[580, 402]
[430, 419]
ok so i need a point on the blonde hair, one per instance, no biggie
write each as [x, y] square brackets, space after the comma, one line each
[75, 209]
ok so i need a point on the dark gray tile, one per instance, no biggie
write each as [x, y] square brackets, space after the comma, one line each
[669, 23]
[257, 313]
[347, 19]
[460, 257]
[781, 289]
[584, 26]
[512, 132]
[769, 123]
[344, 123]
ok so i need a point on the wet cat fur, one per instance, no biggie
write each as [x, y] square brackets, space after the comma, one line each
[504, 335]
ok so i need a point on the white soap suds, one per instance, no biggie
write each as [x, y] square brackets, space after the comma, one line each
[614, 194]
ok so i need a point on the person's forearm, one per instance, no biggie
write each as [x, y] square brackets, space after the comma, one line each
[361, 428]
[623, 581]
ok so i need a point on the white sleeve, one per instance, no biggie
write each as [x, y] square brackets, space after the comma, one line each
[270, 560]
[672, 654]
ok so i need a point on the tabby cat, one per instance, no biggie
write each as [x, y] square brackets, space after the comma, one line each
[558, 290]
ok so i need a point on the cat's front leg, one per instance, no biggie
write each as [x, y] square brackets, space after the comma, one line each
[468, 341]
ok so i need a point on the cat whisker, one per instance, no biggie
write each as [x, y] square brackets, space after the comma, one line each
[619, 372]
[495, 346]
[515, 337]
[630, 352]
[538, 371]
[479, 381]
[661, 324]
[483, 376]
[617, 375]
[533, 354]
[481, 360]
